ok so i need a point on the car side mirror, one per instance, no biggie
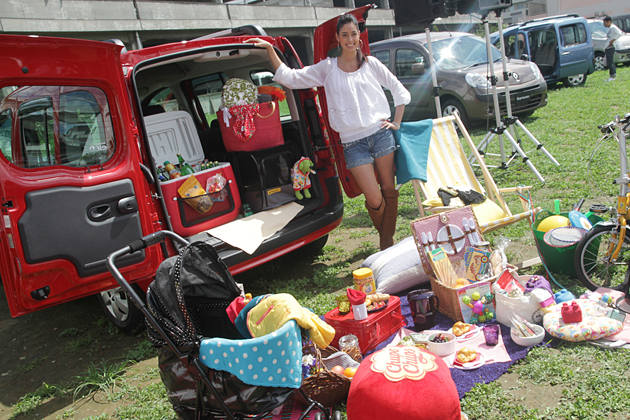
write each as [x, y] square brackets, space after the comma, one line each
[417, 68]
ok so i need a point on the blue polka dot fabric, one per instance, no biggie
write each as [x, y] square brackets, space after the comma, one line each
[273, 360]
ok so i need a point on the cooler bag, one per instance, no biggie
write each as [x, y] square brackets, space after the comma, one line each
[246, 124]
[264, 177]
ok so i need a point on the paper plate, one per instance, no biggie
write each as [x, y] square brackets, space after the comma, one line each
[472, 365]
[468, 336]
[578, 220]
[458, 237]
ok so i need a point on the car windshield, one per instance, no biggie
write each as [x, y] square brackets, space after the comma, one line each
[598, 29]
[461, 52]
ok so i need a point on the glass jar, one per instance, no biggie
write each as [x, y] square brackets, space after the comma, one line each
[350, 344]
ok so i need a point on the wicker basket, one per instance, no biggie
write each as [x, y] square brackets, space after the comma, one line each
[326, 387]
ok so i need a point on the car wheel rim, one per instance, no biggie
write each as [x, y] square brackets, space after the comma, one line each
[117, 303]
[450, 110]
[576, 80]
[599, 63]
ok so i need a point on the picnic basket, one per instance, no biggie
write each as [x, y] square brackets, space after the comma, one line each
[326, 387]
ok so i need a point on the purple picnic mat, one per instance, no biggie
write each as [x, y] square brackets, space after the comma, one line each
[466, 379]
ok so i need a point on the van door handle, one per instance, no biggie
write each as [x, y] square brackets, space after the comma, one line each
[566, 53]
[128, 205]
[99, 213]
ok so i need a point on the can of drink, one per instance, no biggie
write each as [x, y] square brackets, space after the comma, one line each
[364, 280]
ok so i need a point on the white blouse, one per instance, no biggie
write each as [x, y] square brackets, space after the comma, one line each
[356, 101]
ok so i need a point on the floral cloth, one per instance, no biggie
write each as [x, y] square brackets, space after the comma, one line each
[300, 179]
[594, 324]
[240, 102]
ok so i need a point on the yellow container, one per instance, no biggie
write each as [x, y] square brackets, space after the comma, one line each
[364, 280]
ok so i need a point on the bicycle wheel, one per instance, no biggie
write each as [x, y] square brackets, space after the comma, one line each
[591, 264]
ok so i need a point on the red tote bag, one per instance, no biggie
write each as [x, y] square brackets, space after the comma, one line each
[268, 130]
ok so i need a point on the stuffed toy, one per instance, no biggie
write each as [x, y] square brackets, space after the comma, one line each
[300, 175]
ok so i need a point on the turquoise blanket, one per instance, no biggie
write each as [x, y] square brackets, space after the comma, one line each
[413, 140]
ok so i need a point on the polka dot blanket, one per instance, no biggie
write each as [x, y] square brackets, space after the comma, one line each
[271, 360]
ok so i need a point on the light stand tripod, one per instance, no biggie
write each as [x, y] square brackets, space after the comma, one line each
[502, 125]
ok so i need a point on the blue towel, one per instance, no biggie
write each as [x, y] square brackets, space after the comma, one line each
[413, 140]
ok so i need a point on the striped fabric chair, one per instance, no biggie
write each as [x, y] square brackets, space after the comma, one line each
[447, 166]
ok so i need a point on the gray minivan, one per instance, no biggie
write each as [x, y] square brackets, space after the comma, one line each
[561, 46]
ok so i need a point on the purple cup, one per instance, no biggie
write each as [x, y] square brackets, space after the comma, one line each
[491, 334]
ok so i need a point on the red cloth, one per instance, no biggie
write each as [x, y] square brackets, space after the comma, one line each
[571, 312]
[356, 297]
[403, 383]
[236, 307]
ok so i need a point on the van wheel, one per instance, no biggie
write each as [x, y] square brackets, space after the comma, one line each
[599, 61]
[120, 310]
[573, 81]
[315, 246]
[450, 106]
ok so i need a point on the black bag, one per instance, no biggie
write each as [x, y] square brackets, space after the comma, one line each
[264, 176]
[188, 299]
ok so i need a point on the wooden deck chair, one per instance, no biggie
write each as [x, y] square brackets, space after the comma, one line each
[447, 166]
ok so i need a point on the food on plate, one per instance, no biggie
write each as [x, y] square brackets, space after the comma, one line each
[440, 338]
[350, 371]
[466, 355]
[461, 328]
[378, 297]
[337, 369]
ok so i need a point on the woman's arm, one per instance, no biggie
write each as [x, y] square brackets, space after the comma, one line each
[273, 56]
[304, 78]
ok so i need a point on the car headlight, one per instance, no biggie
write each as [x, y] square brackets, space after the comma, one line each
[535, 70]
[477, 81]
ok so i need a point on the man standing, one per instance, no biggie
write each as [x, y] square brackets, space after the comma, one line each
[613, 33]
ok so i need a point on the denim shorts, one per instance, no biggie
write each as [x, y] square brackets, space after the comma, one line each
[365, 150]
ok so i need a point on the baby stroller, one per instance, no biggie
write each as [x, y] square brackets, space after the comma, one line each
[208, 369]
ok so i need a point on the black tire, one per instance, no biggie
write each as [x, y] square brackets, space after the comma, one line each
[450, 105]
[590, 266]
[599, 61]
[573, 81]
[315, 246]
[120, 310]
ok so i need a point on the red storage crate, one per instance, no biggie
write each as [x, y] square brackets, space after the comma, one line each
[187, 221]
[373, 330]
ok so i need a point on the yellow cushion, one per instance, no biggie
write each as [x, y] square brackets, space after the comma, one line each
[487, 212]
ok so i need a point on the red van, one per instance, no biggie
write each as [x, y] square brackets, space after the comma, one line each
[84, 126]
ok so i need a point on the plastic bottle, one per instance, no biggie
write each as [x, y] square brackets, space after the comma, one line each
[171, 170]
[184, 167]
[162, 175]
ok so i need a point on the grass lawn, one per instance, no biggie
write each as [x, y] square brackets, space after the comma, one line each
[572, 381]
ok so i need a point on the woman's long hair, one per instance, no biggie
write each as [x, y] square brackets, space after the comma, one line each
[349, 18]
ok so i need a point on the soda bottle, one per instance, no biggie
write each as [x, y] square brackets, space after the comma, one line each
[184, 167]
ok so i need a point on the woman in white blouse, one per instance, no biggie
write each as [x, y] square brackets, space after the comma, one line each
[358, 110]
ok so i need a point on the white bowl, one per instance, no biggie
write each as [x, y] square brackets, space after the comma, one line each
[529, 341]
[442, 349]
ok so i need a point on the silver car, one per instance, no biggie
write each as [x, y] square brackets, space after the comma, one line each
[622, 45]
[461, 60]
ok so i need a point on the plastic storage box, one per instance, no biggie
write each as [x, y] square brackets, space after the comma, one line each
[171, 133]
[187, 221]
[373, 330]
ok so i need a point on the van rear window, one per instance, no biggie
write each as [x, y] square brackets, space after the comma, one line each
[57, 125]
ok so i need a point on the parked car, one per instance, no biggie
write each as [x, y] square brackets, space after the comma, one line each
[622, 44]
[622, 22]
[461, 60]
[561, 46]
[78, 169]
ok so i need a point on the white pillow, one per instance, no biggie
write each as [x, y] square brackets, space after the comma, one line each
[397, 268]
